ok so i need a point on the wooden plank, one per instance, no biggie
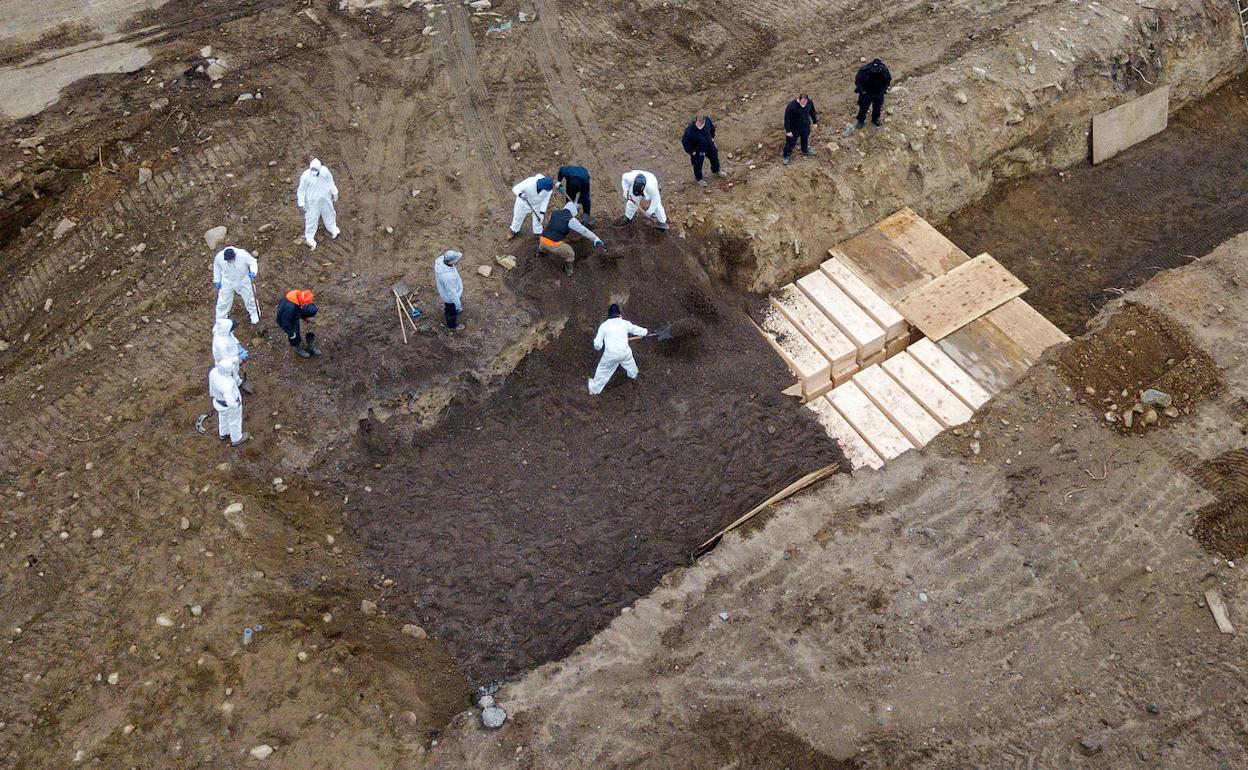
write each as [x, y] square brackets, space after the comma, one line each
[857, 451]
[882, 265]
[946, 304]
[865, 333]
[949, 373]
[1115, 130]
[804, 360]
[922, 243]
[988, 354]
[867, 298]
[910, 417]
[818, 328]
[922, 385]
[866, 418]
[1218, 607]
[1032, 332]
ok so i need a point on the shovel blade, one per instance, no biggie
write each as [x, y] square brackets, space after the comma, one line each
[664, 332]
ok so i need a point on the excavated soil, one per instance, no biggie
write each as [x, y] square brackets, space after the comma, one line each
[524, 522]
[1081, 237]
[1222, 526]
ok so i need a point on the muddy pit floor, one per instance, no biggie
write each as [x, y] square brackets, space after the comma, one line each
[1082, 237]
[524, 522]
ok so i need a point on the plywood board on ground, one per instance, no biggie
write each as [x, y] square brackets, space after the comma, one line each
[1032, 332]
[1001, 346]
[811, 367]
[857, 451]
[949, 373]
[910, 417]
[951, 301]
[1115, 130]
[899, 254]
[867, 298]
[922, 385]
[869, 421]
[817, 327]
[865, 333]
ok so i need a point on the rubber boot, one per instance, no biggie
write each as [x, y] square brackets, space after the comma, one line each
[246, 387]
[567, 268]
[308, 345]
[302, 351]
[243, 439]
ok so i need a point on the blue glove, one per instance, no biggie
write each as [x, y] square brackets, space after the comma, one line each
[217, 284]
[243, 355]
[599, 242]
[251, 275]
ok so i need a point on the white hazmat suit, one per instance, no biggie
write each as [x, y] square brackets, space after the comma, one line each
[530, 202]
[234, 276]
[227, 399]
[226, 345]
[612, 340]
[649, 193]
[316, 196]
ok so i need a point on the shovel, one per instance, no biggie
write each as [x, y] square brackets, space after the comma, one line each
[401, 292]
[660, 334]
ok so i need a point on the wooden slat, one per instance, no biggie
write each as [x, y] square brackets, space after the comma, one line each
[951, 301]
[867, 298]
[900, 254]
[898, 406]
[857, 451]
[817, 327]
[949, 373]
[871, 424]
[811, 367]
[922, 385]
[921, 242]
[1032, 332]
[865, 333]
[988, 354]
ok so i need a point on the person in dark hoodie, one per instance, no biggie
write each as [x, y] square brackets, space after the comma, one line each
[298, 306]
[699, 142]
[799, 119]
[575, 181]
[871, 84]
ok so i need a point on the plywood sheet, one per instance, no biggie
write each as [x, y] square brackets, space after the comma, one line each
[816, 326]
[949, 373]
[869, 421]
[867, 298]
[898, 406]
[921, 242]
[882, 265]
[949, 302]
[857, 451]
[1032, 332]
[1115, 130]
[865, 333]
[810, 366]
[922, 385]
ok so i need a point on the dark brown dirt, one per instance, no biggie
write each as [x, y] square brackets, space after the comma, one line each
[1222, 527]
[1081, 237]
[524, 522]
[1138, 349]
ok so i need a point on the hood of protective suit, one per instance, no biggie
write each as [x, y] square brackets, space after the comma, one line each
[440, 266]
[223, 327]
[228, 366]
[314, 164]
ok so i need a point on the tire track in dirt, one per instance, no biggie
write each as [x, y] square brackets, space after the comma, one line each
[460, 54]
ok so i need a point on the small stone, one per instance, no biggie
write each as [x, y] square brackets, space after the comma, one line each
[113, 678]
[1157, 398]
[47, 304]
[1128, 418]
[302, 656]
[922, 597]
[205, 52]
[485, 271]
[185, 524]
[1090, 745]
[216, 69]
[164, 620]
[197, 610]
[1152, 708]
[97, 533]
[723, 616]
[485, 701]
[1171, 412]
[215, 236]
[493, 717]
[65, 225]
[263, 751]
[30, 142]
[515, 146]
[159, 104]
[480, 5]
[327, 617]
[960, 97]
[368, 607]
[411, 629]
[246, 97]
[389, 230]
[507, 260]
[127, 729]
[1111, 417]
[975, 447]
[145, 175]
[267, 226]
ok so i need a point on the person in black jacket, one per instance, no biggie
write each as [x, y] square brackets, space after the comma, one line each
[575, 181]
[699, 142]
[871, 84]
[799, 118]
[298, 306]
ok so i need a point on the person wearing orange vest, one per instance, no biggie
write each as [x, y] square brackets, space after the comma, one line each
[297, 306]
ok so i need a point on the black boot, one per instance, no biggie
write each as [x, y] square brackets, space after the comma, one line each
[309, 346]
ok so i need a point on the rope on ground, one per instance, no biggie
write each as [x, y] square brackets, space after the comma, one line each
[784, 494]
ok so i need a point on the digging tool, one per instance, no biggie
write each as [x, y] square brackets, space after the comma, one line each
[400, 292]
[660, 334]
[199, 423]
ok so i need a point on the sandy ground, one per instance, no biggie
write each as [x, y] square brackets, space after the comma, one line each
[1038, 603]
[124, 550]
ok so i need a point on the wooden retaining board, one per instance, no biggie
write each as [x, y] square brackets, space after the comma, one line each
[804, 360]
[867, 298]
[899, 254]
[968, 291]
[910, 417]
[1115, 130]
[852, 320]
[869, 421]
[817, 327]
[857, 451]
[952, 376]
[922, 385]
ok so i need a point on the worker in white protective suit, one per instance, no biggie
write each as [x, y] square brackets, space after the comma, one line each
[317, 195]
[532, 197]
[638, 187]
[234, 272]
[612, 340]
[226, 345]
[450, 287]
[228, 401]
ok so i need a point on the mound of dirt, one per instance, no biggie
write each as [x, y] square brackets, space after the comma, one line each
[524, 522]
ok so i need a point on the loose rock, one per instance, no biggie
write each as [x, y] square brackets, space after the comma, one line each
[411, 629]
[65, 225]
[263, 751]
[164, 620]
[215, 236]
[485, 271]
[1157, 398]
[368, 607]
[493, 717]
[507, 260]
